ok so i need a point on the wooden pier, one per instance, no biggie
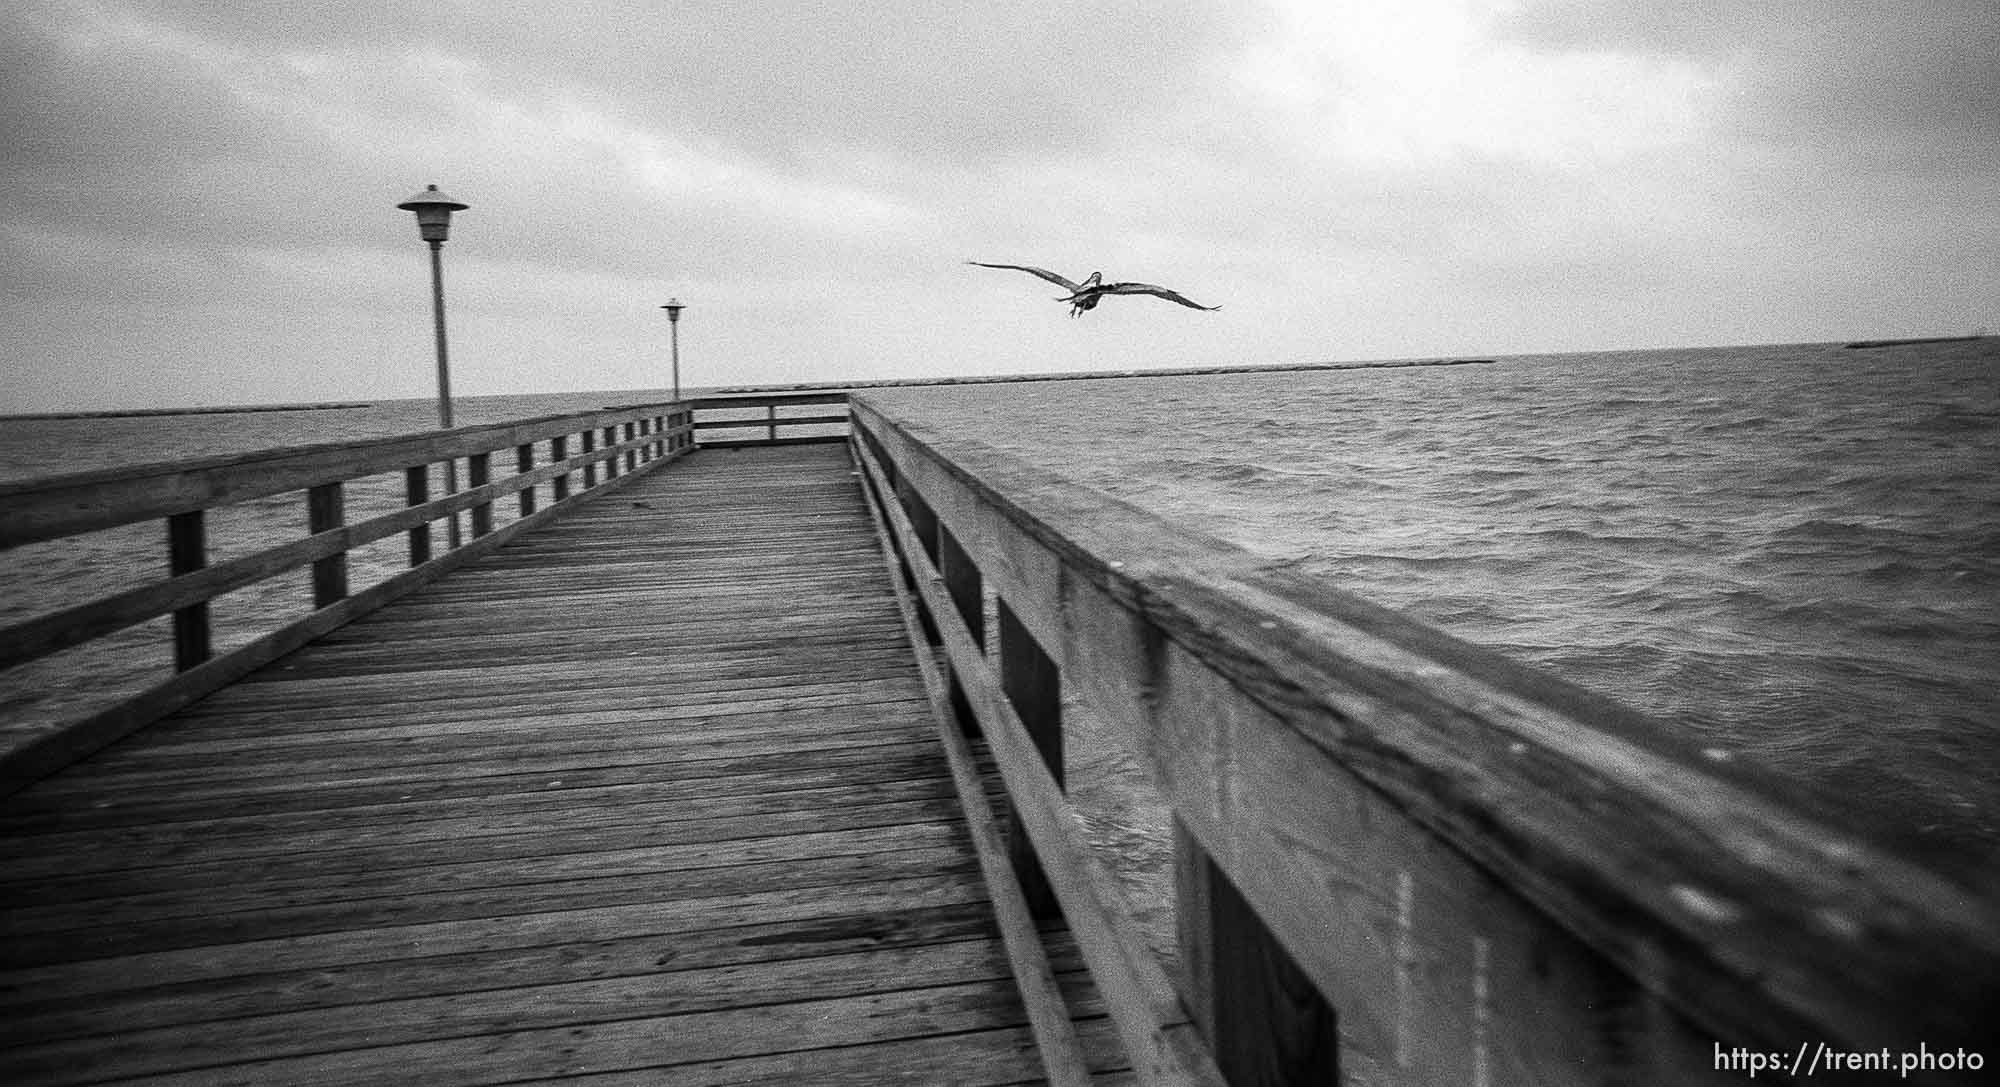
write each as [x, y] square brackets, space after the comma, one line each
[748, 766]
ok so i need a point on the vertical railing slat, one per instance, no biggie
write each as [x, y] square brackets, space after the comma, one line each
[524, 461]
[326, 510]
[559, 452]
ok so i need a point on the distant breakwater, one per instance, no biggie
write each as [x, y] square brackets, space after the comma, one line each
[1911, 341]
[1092, 375]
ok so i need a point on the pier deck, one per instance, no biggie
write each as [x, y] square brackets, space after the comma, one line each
[651, 795]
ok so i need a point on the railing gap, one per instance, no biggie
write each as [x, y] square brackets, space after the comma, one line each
[187, 551]
[1033, 685]
[416, 492]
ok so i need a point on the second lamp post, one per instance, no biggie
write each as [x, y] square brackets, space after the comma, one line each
[674, 308]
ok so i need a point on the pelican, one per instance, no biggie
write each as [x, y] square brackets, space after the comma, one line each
[1085, 295]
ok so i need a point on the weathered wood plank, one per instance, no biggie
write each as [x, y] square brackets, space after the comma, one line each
[41, 809]
[194, 971]
[75, 865]
[30, 947]
[383, 864]
[650, 1041]
[765, 987]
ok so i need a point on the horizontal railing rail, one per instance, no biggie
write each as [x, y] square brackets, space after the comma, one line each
[731, 424]
[561, 457]
[1400, 859]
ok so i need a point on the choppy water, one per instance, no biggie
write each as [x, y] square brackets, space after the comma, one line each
[1793, 552]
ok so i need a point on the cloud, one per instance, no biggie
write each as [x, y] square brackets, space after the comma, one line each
[1411, 82]
[1848, 77]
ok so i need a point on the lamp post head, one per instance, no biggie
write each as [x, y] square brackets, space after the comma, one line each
[433, 210]
[674, 307]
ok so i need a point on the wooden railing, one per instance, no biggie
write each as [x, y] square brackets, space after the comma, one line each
[1400, 859]
[753, 419]
[548, 464]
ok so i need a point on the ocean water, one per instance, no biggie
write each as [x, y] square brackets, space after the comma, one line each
[1792, 552]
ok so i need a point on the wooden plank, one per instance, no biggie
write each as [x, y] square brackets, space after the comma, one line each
[783, 420]
[32, 948]
[635, 1043]
[326, 511]
[357, 860]
[195, 971]
[752, 443]
[36, 808]
[759, 400]
[104, 862]
[763, 987]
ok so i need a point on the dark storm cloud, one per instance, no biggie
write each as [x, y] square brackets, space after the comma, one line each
[952, 81]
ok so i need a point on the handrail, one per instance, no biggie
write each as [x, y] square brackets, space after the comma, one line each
[705, 408]
[610, 447]
[1401, 858]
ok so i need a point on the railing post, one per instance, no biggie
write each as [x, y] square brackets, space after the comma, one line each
[1266, 1024]
[559, 452]
[478, 473]
[187, 551]
[326, 510]
[631, 455]
[524, 460]
[416, 492]
[589, 440]
[771, 414]
[1034, 686]
[610, 462]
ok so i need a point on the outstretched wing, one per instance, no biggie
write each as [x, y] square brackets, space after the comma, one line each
[1043, 272]
[1148, 288]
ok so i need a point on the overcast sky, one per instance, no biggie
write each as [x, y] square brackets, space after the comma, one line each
[198, 200]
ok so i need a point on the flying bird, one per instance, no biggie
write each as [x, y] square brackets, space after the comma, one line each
[1085, 295]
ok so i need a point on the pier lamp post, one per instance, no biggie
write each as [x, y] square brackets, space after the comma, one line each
[674, 308]
[433, 210]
